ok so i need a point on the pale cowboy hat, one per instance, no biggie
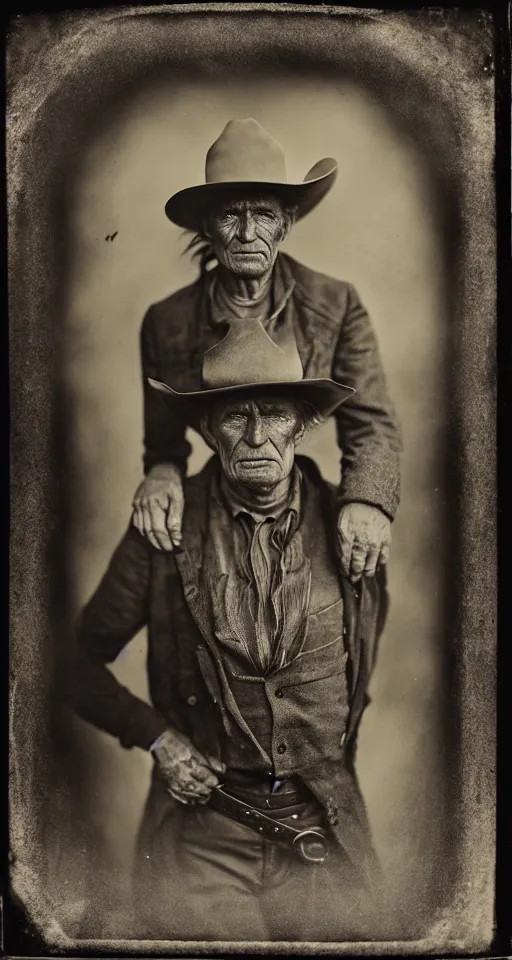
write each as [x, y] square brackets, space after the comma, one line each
[246, 161]
[248, 363]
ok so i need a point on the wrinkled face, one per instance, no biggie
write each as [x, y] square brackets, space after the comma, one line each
[245, 235]
[256, 440]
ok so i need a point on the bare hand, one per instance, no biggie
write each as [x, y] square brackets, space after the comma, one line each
[364, 537]
[158, 507]
[190, 776]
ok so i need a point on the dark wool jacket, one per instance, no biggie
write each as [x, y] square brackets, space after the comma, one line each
[335, 339]
[144, 586]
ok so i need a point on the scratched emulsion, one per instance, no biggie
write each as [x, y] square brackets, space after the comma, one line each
[108, 115]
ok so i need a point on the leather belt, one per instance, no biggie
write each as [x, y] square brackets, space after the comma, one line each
[310, 844]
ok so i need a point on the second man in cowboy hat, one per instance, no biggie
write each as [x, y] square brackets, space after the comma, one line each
[260, 655]
[239, 218]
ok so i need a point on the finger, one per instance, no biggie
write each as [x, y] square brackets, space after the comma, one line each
[177, 796]
[371, 561]
[158, 523]
[346, 544]
[159, 529]
[357, 561]
[384, 554]
[204, 776]
[137, 519]
[175, 517]
[216, 765]
[189, 787]
[196, 792]
[148, 527]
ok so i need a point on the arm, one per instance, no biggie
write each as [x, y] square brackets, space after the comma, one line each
[113, 616]
[116, 612]
[158, 501]
[367, 427]
[164, 431]
[370, 440]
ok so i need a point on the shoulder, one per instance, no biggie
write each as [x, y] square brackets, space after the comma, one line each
[313, 479]
[175, 304]
[196, 488]
[319, 287]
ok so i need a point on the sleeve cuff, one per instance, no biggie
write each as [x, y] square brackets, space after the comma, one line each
[143, 728]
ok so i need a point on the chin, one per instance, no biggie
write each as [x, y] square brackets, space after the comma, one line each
[251, 268]
[260, 477]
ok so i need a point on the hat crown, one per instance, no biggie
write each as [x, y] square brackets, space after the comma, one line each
[247, 355]
[245, 152]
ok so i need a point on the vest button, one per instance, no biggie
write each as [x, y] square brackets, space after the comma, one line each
[343, 738]
[279, 693]
[281, 748]
[192, 700]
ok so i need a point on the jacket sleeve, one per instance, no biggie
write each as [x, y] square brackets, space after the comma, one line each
[113, 616]
[164, 430]
[369, 434]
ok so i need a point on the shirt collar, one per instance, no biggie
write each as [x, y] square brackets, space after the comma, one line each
[292, 505]
[281, 288]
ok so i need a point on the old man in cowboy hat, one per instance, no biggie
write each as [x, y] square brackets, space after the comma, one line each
[238, 218]
[260, 654]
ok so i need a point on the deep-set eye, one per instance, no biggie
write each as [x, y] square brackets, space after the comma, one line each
[235, 416]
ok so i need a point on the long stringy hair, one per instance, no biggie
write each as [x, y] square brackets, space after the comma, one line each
[202, 251]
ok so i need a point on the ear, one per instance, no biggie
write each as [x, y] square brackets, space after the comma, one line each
[205, 229]
[207, 434]
[299, 434]
[287, 225]
[288, 221]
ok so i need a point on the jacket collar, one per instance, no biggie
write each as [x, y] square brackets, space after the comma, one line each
[312, 317]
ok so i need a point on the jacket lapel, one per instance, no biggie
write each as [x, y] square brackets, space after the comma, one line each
[314, 324]
[189, 558]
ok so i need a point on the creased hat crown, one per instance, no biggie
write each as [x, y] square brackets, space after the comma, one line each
[245, 152]
[247, 355]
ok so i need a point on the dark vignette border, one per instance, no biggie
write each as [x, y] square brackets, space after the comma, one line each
[49, 504]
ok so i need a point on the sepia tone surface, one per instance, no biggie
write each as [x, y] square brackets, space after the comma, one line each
[415, 165]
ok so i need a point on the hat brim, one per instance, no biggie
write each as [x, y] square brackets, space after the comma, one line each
[189, 208]
[323, 394]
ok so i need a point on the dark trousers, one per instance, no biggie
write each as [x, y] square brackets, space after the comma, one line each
[215, 879]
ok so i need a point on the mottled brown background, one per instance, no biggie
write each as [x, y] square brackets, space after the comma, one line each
[133, 104]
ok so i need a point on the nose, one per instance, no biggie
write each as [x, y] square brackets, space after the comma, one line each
[255, 433]
[246, 226]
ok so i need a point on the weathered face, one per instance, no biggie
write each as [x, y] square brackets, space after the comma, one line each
[256, 440]
[245, 235]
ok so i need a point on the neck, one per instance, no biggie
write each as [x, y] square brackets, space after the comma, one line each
[262, 499]
[245, 288]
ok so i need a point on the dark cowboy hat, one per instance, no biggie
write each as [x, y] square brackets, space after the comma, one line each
[246, 161]
[248, 363]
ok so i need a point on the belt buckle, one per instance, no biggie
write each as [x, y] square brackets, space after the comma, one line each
[311, 838]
